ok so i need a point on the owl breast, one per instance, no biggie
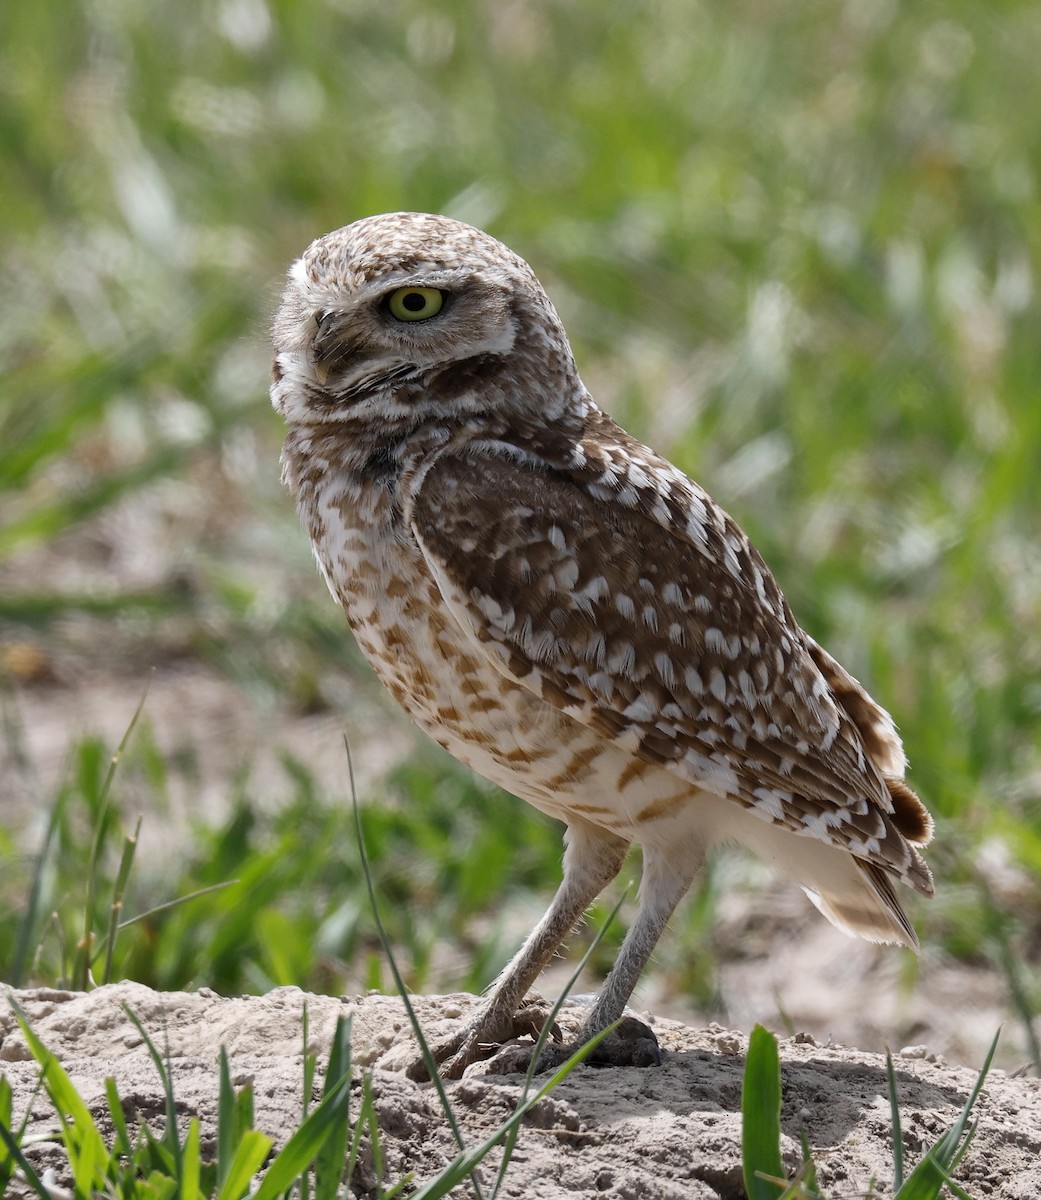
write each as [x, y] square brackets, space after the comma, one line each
[441, 677]
[431, 666]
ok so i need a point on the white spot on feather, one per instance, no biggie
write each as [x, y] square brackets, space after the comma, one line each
[622, 658]
[770, 805]
[671, 594]
[642, 709]
[595, 590]
[638, 476]
[663, 665]
[494, 612]
[717, 685]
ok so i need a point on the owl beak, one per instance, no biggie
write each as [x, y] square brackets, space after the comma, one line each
[321, 372]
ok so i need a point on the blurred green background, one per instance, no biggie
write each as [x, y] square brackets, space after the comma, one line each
[796, 247]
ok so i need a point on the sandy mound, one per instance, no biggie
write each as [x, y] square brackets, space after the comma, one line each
[663, 1133]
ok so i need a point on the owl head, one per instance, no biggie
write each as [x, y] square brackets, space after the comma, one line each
[406, 317]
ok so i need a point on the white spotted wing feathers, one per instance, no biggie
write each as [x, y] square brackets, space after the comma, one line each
[671, 638]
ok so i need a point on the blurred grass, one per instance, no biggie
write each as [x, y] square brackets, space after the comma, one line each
[796, 247]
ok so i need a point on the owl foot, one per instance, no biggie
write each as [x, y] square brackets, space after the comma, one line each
[631, 1044]
[483, 1039]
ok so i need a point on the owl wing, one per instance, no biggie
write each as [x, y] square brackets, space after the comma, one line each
[680, 653]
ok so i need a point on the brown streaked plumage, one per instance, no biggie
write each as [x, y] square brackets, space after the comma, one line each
[563, 609]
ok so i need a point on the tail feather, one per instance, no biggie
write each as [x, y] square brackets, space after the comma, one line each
[856, 895]
[910, 815]
[875, 726]
[867, 908]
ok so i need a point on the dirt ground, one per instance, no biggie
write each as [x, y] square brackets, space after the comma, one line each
[656, 1134]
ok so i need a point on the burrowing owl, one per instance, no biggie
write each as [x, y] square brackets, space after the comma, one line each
[564, 610]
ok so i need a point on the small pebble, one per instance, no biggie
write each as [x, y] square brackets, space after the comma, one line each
[915, 1052]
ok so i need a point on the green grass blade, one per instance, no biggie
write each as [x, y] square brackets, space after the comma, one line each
[360, 1125]
[89, 1165]
[27, 925]
[16, 1156]
[299, 1152]
[803, 1185]
[898, 1136]
[373, 1126]
[160, 908]
[465, 1162]
[399, 982]
[83, 1142]
[227, 1134]
[170, 1135]
[247, 1160]
[7, 1160]
[926, 1181]
[544, 1034]
[116, 1114]
[85, 950]
[191, 1172]
[309, 1061]
[807, 1177]
[160, 1187]
[932, 1174]
[243, 1121]
[951, 1142]
[761, 1118]
[330, 1159]
[126, 861]
[158, 1154]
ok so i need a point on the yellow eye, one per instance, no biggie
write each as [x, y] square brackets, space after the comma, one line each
[415, 303]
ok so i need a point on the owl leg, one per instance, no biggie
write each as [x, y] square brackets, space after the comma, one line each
[632, 1043]
[665, 882]
[592, 858]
